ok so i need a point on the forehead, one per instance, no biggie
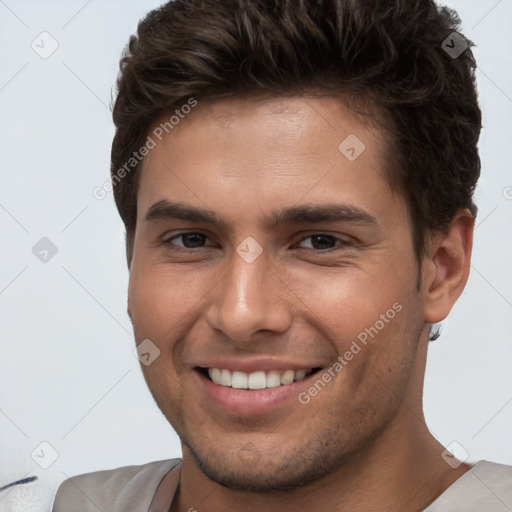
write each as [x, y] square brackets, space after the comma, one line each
[240, 120]
[276, 150]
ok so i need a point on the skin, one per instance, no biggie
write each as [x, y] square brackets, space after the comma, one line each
[361, 443]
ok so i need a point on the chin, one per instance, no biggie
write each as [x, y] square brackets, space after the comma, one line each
[248, 469]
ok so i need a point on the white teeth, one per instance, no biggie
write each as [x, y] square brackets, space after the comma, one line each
[239, 380]
[273, 379]
[214, 374]
[299, 375]
[225, 378]
[256, 380]
[287, 377]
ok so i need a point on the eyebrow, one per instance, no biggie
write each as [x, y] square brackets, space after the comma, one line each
[303, 214]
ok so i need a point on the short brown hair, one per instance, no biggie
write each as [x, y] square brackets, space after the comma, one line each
[388, 52]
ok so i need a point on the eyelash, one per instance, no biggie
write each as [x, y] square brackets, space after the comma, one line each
[169, 242]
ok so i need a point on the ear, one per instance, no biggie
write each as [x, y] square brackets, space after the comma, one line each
[445, 268]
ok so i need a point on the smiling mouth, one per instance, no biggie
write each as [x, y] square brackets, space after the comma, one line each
[255, 380]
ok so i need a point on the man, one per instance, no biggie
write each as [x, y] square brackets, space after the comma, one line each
[296, 183]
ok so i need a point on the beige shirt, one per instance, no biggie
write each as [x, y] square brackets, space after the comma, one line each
[486, 487]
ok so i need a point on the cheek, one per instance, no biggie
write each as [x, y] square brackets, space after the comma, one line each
[162, 300]
[143, 295]
[376, 367]
[371, 318]
[345, 301]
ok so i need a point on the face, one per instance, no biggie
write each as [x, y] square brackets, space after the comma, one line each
[267, 257]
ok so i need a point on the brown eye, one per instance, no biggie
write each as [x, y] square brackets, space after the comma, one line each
[189, 240]
[322, 242]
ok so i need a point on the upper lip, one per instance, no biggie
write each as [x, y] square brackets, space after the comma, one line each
[255, 365]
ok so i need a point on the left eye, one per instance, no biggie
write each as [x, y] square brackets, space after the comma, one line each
[321, 242]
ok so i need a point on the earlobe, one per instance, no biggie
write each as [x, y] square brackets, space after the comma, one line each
[446, 269]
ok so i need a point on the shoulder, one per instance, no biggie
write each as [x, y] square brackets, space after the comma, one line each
[486, 486]
[120, 489]
[496, 478]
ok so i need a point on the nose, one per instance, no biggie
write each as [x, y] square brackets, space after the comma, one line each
[248, 300]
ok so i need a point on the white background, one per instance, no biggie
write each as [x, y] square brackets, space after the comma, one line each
[67, 373]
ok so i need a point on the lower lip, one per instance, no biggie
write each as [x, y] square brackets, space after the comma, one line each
[249, 402]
